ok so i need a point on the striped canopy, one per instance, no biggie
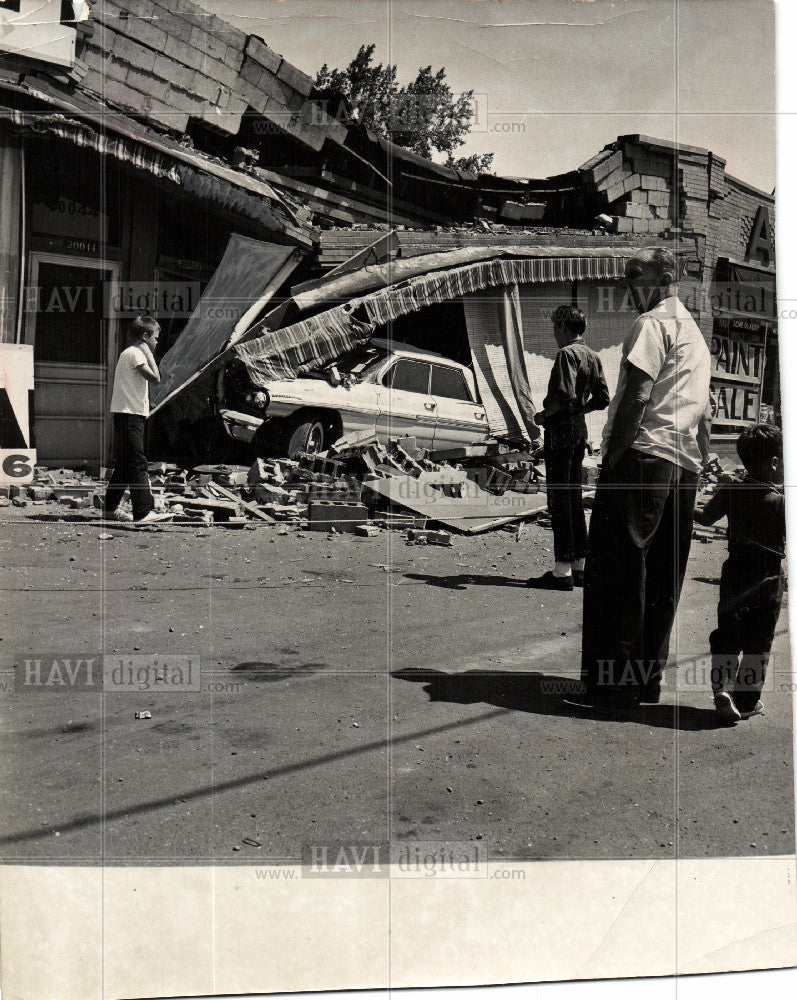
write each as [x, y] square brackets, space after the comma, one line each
[303, 346]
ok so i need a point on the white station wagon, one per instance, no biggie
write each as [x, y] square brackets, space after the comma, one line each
[383, 388]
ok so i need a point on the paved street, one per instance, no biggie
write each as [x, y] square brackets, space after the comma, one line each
[356, 691]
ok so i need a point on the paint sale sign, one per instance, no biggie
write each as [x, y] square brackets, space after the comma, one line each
[17, 458]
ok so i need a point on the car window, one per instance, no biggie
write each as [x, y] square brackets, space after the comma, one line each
[450, 383]
[410, 376]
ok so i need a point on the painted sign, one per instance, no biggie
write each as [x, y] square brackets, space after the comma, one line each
[738, 348]
[760, 244]
[17, 458]
[34, 29]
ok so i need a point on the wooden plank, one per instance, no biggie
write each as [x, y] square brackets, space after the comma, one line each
[250, 508]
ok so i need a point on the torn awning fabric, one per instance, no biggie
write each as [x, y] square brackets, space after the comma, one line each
[294, 350]
[303, 347]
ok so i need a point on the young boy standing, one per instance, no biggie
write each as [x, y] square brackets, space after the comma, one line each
[752, 582]
[576, 386]
[135, 370]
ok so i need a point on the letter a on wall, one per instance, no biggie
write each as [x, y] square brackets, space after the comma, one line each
[759, 246]
[17, 458]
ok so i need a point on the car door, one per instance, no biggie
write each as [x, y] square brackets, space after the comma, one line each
[460, 420]
[407, 409]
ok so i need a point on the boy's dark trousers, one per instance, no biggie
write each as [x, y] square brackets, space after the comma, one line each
[639, 540]
[745, 632]
[564, 455]
[130, 467]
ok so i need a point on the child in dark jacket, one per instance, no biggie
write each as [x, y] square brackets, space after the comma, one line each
[752, 582]
[576, 386]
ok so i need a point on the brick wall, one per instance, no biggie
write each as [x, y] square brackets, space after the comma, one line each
[170, 61]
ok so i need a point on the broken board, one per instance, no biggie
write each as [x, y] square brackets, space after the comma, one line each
[476, 512]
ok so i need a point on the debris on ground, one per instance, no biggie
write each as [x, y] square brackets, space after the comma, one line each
[358, 486]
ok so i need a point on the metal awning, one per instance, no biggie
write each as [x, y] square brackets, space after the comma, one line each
[301, 347]
[244, 282]
[128, 142]
[117, 147]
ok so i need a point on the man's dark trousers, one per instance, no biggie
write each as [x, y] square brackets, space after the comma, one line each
[564, 457]
[130, 466]
[639, 540]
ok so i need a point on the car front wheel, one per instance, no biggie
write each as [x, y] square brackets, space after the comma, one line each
[307, 437]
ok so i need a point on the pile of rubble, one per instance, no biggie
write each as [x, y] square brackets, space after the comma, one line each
[360, 486]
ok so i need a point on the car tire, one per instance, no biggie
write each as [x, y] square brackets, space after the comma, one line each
[308, 436]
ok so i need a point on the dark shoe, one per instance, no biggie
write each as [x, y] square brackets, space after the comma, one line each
[550, 582]
[578, 577]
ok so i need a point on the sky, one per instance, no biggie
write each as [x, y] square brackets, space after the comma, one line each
[560, 78]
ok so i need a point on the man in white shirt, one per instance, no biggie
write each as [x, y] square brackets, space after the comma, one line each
[654, 445]
[135, 369]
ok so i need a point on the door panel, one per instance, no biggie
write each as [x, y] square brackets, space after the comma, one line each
[408, 408]
[460, 421]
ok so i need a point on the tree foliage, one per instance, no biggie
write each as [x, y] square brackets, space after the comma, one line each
[424, 115]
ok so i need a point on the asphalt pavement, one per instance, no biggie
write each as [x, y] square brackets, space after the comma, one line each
[353, 691]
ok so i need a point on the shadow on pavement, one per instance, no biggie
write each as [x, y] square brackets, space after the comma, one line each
[542, 694]
[460, 580]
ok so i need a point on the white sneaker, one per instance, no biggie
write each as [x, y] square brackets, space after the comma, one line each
[726, 709]
[152, 517]
[120, 515]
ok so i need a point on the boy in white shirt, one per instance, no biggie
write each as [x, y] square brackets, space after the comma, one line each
[135, 369]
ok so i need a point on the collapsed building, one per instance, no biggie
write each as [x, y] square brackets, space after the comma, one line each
[203, 179]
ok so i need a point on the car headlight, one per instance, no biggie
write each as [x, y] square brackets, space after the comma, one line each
[259, 400]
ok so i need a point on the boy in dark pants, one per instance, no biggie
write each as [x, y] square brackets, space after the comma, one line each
[135, 369]
[576, 387]
[751, 586]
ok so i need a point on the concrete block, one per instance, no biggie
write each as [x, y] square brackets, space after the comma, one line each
[227, 118]
[640, 225]
[257, 49]
[602, 170]
[620, 224]
[119, 93]
[659, 198]
[185, 102]
[295, 78]
[146, 83]
[143, 31]
[652, 182]
[134, 54]
[180, 51]
[636, 211]
[325, 514]
[251, 72]
[367, 530]
[426, 537]
[630, 183]
[282, 92]
[254, 97]
[171, 118]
